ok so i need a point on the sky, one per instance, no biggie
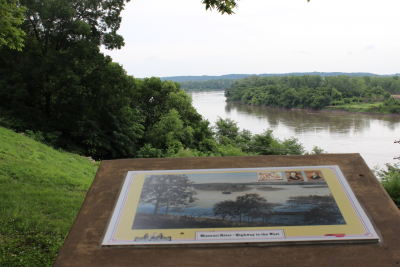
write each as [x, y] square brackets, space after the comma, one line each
[179, 37]
[243, 177]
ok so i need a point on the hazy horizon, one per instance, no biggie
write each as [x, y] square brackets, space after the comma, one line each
[181, 38]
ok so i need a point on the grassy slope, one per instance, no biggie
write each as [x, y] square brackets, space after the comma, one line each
[41, 192]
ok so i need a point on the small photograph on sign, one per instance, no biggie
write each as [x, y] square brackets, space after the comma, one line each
[294, 176]
[314, 175]
[267, 176]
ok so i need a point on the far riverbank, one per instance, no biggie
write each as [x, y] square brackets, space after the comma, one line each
[359, 108]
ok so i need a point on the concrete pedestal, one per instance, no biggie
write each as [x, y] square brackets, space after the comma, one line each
[82, 246]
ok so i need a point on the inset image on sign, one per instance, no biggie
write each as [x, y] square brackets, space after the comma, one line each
[267, 176]
[237, 205]
[314, 175]
[209, 200]
[294, 176]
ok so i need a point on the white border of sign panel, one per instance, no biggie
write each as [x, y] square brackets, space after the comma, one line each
[144, 217]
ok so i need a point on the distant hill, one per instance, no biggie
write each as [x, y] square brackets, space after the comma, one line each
[240, 76]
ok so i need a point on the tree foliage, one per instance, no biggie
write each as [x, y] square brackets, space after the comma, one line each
[170, 121]
[325, 210]
[252, 206]
[11, 17]
[62, 89]
[227, 128]
[390, 181]
[314, 91]
[61, 85]
[168, 191]
[216, 84]
[229, 135]
[222, 6]
[58, 26]
[225, 208]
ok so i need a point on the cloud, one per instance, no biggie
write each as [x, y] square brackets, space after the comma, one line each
[350, 53]
[152, 58]
[304, 52]
[371, 47]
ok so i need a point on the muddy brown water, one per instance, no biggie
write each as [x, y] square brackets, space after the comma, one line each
[372, 136]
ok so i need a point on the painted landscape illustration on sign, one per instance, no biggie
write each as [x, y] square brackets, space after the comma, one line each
[250, 199]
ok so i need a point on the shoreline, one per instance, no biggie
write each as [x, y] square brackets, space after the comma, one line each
[323, 110]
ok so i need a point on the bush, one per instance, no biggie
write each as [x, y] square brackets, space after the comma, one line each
[390, 181]
[316, 150]
[337, 102]
[391, 105]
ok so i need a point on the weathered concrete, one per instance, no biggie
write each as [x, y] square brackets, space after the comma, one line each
[82, 246]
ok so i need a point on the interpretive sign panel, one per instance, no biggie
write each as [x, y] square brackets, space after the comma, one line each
[280, 204]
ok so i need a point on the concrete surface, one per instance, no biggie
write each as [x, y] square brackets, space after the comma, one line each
[82, 246]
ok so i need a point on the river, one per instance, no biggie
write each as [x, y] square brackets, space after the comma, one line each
[370, 135]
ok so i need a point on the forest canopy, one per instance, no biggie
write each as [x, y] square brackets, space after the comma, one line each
[62, 91]
[314, 91]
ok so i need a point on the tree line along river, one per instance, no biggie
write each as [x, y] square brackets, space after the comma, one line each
[370, 135]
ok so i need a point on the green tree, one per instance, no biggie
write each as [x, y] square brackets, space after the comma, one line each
[336, 95]
[289, 98]
[390, 181]
[291, 146]
[169, 132]
[317, 101]
[88, 109]
[170, 120]
[11, 17]
[222, 6]
[316, 150]
[262, 143]
[227, 127]
[360, 87]
[60, 82]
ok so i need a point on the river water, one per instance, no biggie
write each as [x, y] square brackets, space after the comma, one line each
[370, 135]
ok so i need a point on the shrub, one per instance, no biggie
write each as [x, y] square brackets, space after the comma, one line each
[390, 181]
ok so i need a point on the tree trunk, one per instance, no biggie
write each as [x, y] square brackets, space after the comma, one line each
[166, 210]
[48, 101]
[156, 208]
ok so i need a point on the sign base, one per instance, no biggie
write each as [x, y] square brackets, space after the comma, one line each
[83, 246]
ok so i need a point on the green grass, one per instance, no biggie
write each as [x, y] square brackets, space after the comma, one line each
[41, 192]
[357, 107]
